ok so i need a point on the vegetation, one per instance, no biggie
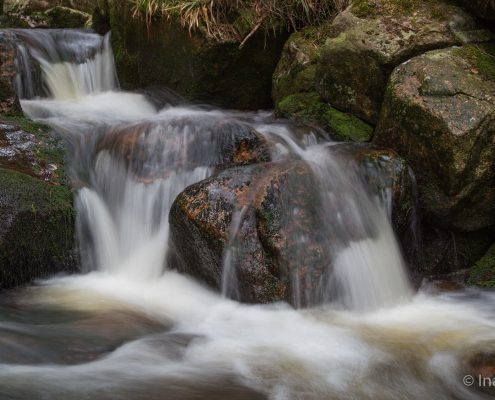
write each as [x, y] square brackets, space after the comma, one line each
[308, 108]
[483, 273]
[481, 57]
[237, 21]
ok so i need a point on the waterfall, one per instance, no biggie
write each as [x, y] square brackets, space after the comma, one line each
[131, 328]
[73, 64]
[134, 160]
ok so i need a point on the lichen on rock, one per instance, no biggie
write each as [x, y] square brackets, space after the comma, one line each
[37, 237]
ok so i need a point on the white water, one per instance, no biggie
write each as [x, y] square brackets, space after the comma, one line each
[206, 346]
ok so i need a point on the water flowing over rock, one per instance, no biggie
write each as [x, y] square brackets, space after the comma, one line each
[146, 147]
[279, 250]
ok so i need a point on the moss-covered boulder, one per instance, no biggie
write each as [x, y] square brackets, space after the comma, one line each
[439, 113]
[36, 212]
[294, 88]
[53, 14]
[483, 272]
[196, 67]
[9, 102]
[295, 73]
[368, 40]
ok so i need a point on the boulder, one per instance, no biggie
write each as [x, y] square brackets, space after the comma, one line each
[294, 88]
[197, 67]
[37, 237]
[439, 114]
[369, 39]
[483, 272]
[269, 260]
[262, 224]
[9, 102]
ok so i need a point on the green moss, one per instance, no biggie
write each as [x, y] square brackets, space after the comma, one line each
[483, 272]
[370, 8]
[49, 150]
[12, 21]
[64, 17]
[37, 228]
[481, 57]
[309, 108]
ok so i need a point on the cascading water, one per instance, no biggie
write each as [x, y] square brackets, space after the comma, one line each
[132, 329]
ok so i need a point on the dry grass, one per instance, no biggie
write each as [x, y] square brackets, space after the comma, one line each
[238, 20]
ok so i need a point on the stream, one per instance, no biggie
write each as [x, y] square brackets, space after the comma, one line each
[130, 327]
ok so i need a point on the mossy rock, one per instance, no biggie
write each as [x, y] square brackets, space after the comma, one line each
[64, 17]
[37, 229]
[37, 219]
[196, 67]
[481, 57]
[369, 39]
[439, 114]
[483, 272]
[309, 108]
[296, 69]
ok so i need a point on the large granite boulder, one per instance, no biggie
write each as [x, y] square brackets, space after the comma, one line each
[37, 237]
[369, 39]
[439, 114]
[256, 231]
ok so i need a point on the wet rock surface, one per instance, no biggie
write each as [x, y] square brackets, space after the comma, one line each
[145, 147]
[264, 221]
[202, 216]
